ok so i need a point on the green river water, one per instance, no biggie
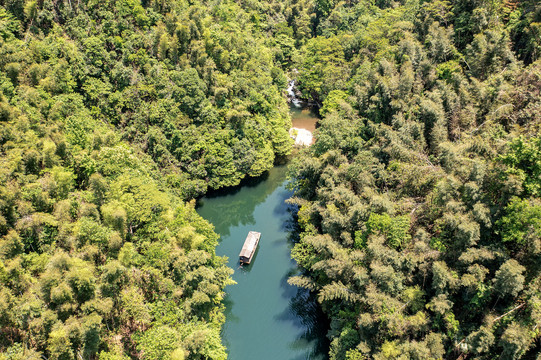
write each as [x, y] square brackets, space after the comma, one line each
[266, 318]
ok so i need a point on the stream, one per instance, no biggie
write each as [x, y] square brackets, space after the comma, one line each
[266, 318]
[303, 115]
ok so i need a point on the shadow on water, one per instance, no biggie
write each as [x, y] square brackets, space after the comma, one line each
[289, 224]
[303, 311]
[288, 291]
[247, 182]
[237, 210]
[304, 306]
[228, 302]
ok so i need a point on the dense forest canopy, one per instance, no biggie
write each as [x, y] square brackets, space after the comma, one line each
[112, 115]
[191, 84]
[419, 204]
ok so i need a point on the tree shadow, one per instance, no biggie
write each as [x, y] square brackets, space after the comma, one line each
[303, 311]
[247, 182]
[228, 312]
[305, 307]
[231, 207]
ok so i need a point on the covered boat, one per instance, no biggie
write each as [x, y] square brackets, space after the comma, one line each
[249, 247]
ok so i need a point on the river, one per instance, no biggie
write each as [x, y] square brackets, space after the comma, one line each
[266, 318]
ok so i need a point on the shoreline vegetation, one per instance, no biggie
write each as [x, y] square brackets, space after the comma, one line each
[419, 203]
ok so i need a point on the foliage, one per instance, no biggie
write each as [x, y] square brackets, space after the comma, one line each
[419, 202]
[522, 222]
[184, 82]
[112, 114]
[395, 230]
[523, 161]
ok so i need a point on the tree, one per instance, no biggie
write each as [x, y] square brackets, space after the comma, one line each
[394, 229]
[515, 341]
[322, 59]
[509, 280]
[59, 345]
[159, 343]
[521, 224]
[522, 160]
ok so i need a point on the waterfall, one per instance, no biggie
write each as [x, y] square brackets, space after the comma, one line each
[292, 96]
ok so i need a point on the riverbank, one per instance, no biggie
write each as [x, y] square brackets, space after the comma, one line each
[265, 316]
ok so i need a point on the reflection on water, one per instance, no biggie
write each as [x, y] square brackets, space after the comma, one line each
[266, 318]
[228, 209]
[304, 306]
[303, 118]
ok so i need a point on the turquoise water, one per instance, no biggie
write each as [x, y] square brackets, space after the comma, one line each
[266, 318]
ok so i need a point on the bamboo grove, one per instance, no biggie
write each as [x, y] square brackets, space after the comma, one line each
[419, 203]
[419, 206]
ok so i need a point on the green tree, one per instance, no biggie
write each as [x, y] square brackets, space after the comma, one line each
[509, 279]
[323, 68]
[521, 224]
[394, 229]
[523, 161]
[59, 345]
[159, 343]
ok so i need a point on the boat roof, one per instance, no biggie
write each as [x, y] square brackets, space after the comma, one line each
[249, 244]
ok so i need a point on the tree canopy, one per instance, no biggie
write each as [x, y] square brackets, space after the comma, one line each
[418, 203]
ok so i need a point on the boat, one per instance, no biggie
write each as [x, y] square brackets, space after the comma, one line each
[248, 249]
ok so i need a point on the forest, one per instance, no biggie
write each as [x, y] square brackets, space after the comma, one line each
[419, 205]
[114, 116]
